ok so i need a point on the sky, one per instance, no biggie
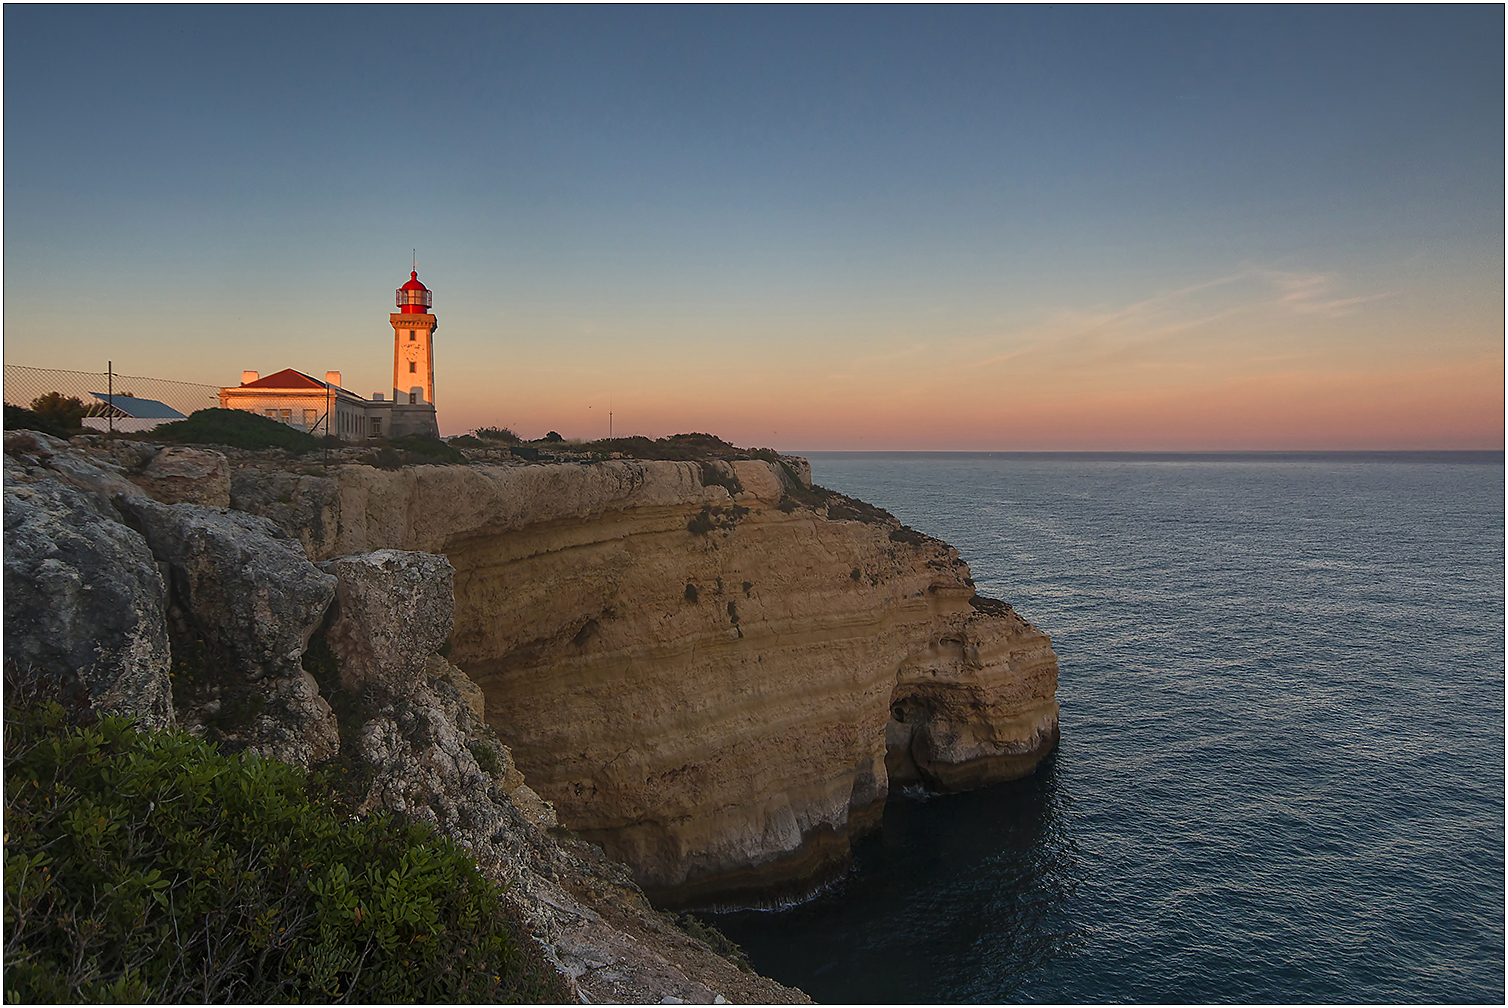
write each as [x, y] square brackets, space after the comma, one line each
[808, 228]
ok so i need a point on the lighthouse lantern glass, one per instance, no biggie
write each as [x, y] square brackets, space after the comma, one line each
[422, 298]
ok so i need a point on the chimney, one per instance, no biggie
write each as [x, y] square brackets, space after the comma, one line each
[247, 377]
[333, 378]
[376, 397]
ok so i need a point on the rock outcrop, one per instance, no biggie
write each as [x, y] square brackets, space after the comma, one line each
[88, 602]
[84, 601]
[178, 475]
[394, 610]
[709, 668]
[245, 594]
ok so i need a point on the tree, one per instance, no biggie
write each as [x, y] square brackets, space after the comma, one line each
[65, 411]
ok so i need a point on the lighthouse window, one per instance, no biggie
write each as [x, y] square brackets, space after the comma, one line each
[412, 335]
[413, 397]
[413, 366]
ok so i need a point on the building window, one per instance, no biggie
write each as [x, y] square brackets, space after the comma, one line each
[376, 426]
[272, 414]
[311, 417]
[413, 398]
[412, 335]
[413, 366]
[286, 416]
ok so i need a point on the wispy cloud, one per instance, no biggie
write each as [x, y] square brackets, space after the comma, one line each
[1251, 304]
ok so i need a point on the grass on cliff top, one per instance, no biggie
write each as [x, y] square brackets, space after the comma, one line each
[148, 866]
[235, 429]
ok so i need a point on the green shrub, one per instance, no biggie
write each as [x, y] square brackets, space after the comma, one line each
[713, 476]
[17, 418]
[485, 756]
[711, 936]
[429, 449]
[676, 447]
[235, 429]
[65, 411]
[710, 517]
[147, 866]
[502, 434]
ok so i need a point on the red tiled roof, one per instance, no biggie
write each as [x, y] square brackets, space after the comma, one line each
[286, 379]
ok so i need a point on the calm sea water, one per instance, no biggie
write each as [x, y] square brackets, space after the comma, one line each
[1281, 775]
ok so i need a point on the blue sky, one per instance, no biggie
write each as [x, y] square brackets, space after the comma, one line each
[726, 218]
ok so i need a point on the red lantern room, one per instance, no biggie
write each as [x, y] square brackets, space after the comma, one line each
[413, 297]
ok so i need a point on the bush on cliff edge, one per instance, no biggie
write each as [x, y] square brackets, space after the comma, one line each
[235, 429]
[146, 866]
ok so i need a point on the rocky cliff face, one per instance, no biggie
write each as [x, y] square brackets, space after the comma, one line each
[710, 669]
[117, 593]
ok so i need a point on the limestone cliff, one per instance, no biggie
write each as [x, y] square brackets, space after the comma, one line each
[103, 582]
[709, 668]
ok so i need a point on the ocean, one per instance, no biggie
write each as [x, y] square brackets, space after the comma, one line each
[1281, 775]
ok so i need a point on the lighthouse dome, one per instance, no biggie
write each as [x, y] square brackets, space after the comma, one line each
[414, 297]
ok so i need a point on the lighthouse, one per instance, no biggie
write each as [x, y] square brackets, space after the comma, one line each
[414, 361]
[325, 408]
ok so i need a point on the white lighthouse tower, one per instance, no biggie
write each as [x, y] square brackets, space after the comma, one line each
[414, 361]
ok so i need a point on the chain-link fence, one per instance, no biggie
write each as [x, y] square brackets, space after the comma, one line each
[26, 386]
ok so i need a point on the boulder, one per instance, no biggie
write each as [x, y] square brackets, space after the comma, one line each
[394, 608]
[249, 602]
[305, 506]
[246, 584]
[84, 600]
[178, 475]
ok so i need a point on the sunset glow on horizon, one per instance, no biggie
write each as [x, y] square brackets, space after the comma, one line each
[813, 229]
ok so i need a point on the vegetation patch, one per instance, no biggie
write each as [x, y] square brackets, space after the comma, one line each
[17, 418]
[499, 434]
[234, 429]
[714, 476]
[711, 937]
[710, 518]
[843, 508]
[431, 450]
[485, 756]
[907, 534]
[992, 607]
[675, 448]
[148, 866]
[65, 411]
